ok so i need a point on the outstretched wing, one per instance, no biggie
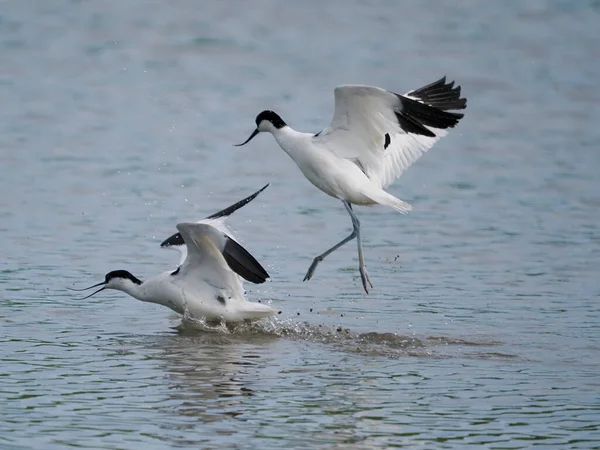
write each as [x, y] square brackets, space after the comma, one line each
[204, 255]
[211, 255]
[177, 240]
[238, 258]
[385, 133]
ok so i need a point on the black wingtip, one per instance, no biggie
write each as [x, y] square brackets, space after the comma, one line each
[243, 263]
[440, 95]
[431, 108]
[231, 209]
[177, 239]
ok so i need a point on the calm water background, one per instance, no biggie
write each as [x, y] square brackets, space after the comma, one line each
[117, 120]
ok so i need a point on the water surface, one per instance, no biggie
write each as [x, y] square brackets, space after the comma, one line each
[118, 120]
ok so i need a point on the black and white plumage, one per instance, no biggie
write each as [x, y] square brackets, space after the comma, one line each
[208, 281]
[236, 256]
[374, 136]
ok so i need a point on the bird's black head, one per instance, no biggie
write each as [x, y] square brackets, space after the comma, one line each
[113, 280]
[115, 274]
[272, 117]
[265, 121]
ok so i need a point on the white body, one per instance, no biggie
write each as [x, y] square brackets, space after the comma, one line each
[337, 177]
[349, 159]
[204, 286]
[199, 297]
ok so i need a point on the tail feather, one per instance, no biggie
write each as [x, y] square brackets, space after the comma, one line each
[383, 198]
[400, 206]
[255, 311]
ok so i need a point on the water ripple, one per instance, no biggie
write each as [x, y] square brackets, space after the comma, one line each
[482, 329]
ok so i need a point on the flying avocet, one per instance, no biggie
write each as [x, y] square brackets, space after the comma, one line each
[374, 136]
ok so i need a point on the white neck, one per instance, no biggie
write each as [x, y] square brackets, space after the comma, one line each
[157, 290]
[292, 142]
[135, 290]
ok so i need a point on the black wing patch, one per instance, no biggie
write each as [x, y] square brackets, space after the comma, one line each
[437, 98]
[243, 263]
[177, 239]
[388, 141]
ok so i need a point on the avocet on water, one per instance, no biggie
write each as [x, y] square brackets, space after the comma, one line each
[208, 281]
[374, 136]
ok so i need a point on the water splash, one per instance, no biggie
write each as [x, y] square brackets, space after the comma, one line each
[389, 345]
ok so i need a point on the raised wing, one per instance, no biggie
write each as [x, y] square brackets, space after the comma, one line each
[204, 258]
[233, 208]
[239, 260]
[210, 250]
[177, 240]
[385, 133]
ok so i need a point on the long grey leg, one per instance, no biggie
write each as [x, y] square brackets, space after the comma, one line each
[355, 234]
[364, 274]
[321, 257]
